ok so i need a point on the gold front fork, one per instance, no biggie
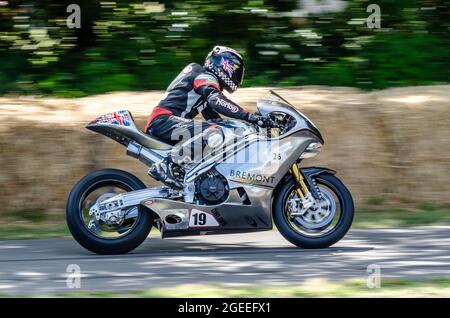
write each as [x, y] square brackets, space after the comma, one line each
[302, 189]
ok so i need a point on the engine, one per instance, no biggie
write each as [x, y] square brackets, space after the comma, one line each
[212, 188]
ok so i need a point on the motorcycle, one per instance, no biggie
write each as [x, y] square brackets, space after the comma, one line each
[246, 187]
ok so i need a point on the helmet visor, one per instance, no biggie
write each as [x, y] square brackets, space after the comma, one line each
[234, 67]
[240, 73]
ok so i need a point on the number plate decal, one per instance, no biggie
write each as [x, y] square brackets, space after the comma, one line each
[200, 218]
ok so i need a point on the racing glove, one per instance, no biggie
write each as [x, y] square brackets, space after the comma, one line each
[261, 121]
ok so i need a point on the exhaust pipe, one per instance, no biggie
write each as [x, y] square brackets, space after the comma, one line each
[146, 156]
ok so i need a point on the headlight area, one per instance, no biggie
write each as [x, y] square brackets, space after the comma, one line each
[312, 150]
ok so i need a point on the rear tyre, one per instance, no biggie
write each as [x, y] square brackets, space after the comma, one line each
[105, 239]
[320, 234]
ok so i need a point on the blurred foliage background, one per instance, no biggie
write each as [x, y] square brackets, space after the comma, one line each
[134, 45]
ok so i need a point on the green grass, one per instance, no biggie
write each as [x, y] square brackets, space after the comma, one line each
[33, 224]
[437, 287]
[39, 225]
[401, 217]
[35, 231]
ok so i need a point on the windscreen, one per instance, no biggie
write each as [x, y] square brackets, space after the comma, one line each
[276, 97]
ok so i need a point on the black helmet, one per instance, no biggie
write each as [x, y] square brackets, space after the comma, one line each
[228, 65]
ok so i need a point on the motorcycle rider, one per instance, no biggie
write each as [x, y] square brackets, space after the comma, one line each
[199, 89]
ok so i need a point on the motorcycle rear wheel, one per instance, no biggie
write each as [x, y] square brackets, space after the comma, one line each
[125, 241]
[321, 237]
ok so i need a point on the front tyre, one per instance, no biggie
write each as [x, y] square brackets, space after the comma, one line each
[104, 237]
[320, 226]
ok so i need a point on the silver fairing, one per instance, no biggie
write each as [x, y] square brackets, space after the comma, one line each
[253, 167]
[302, 122]
[233, 215]
[263, 162]
[255, 158]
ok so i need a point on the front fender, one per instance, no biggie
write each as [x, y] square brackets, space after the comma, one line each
[314, 171]
[309, 173]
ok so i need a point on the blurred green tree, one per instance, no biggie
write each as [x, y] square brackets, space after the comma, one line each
[133, 45]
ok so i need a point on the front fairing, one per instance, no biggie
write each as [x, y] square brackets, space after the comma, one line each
[301, 121]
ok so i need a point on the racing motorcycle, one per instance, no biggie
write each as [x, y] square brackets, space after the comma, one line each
[245, 187]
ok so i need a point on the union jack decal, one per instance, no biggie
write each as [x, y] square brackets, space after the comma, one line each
[121, 118]
[227, 66]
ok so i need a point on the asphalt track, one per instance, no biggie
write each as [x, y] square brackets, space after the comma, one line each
[39, 267]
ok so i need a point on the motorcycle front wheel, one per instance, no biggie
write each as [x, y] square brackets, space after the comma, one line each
[102, 237]
[320, 226]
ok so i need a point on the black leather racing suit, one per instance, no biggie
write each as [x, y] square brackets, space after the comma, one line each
[193, 91]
